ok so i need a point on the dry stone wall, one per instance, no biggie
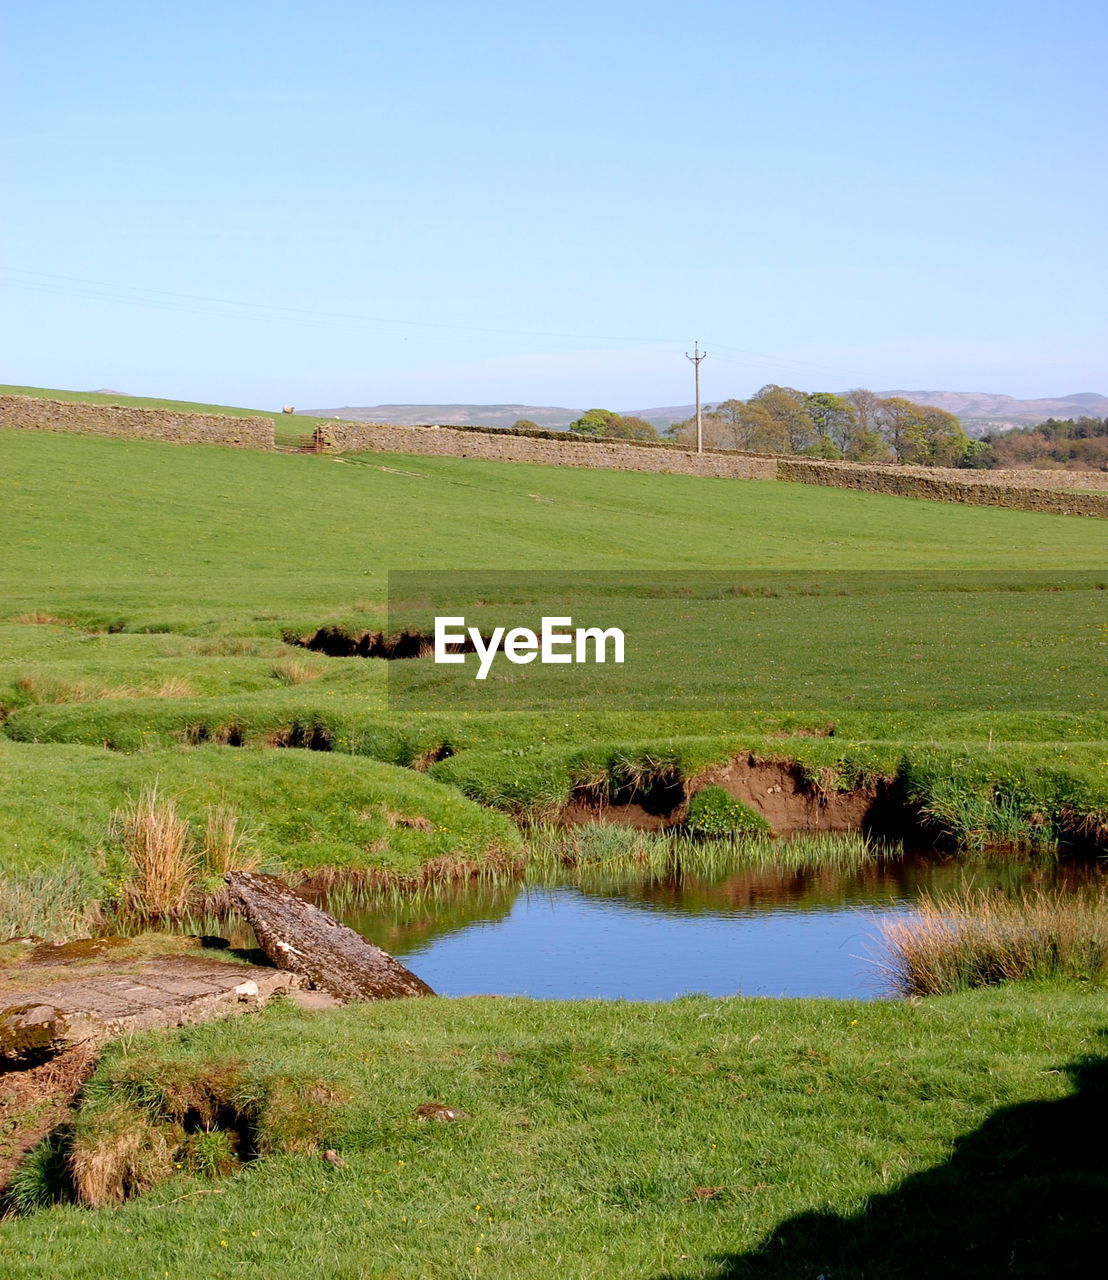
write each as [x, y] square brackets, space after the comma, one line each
[343, 437]
[1026, 490]
[80, 418]
[941, 486]
[1033, 478]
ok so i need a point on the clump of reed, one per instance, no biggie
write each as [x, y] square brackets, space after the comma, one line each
[558, 854]
[983, 938]
[47, 904]
[555, 854]
[229, 841]
[161, 853]
[169, 864]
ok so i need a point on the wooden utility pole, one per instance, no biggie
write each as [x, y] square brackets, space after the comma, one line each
[695, 359]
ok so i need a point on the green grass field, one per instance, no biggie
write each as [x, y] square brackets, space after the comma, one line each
[147, 592]
[697, 1140]
[148, 588]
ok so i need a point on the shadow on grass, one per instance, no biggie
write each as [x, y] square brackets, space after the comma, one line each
[1025, 1195]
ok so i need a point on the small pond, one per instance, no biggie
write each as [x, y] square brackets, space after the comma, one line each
[748, 928]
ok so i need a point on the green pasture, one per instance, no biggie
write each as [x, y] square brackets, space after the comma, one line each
[151, 594]
[695, 1140]
[140, 535]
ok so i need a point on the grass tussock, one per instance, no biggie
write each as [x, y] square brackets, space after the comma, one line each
[162, 854]
[122, 1155]
[229, 841]
[38, 618]
[198, 1118]
[291, 671]
[174, 687]
[981, 939]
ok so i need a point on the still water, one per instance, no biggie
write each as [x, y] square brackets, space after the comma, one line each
[750, 930]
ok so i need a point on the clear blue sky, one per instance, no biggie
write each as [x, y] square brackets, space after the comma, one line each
[348, 202]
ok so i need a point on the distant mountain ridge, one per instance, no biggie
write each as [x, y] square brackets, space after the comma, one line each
[981, 411]
[458, 415]
[978, 411]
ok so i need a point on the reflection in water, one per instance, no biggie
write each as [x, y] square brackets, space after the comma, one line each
[753, 929]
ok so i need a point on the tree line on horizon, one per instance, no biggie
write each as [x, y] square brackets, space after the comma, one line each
[860, 426]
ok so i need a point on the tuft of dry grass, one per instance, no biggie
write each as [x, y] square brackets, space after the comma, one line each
[38, 691]
[983, 938]
[159, 846]
[229, 841]
[174, 687]
[120, 1156]
[292, 671]
[37, 618]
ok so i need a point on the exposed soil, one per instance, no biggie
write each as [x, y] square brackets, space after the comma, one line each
[34, 1101]
[788, 801]
[658, 804]
[336, 642]
[777, 789]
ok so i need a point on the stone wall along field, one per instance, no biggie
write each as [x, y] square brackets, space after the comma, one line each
[344, 437]
[1034, 478]
[34, 414]
[940, 486]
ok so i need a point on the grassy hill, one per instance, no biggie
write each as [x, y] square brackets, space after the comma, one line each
[150, 534]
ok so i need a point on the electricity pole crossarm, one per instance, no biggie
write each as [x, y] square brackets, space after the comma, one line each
[695, 359]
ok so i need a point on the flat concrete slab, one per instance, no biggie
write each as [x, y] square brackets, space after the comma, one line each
[158, 991]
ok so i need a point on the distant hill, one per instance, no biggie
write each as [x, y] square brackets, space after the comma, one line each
[462, 415]
[981, 411]
[978, 411]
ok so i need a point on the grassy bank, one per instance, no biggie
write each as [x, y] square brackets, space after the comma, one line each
[699, 1139]
[303, 814]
